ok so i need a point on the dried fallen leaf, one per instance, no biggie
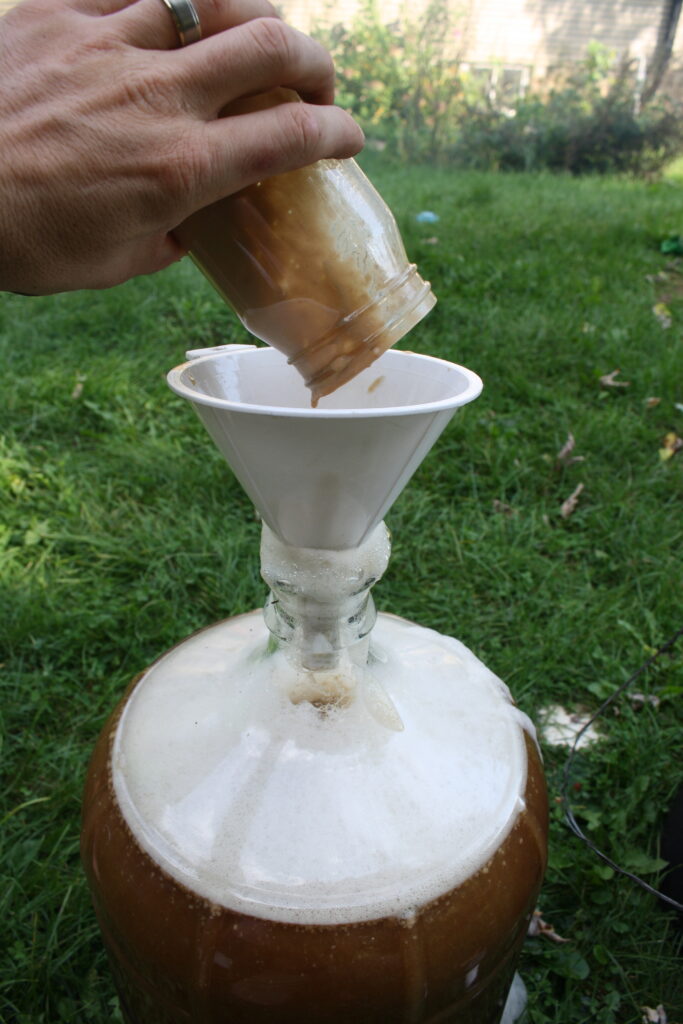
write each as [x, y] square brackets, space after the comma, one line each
[567, 448]
[78, 386]
[639, 700]
[430, 241]
[672, 443]
[537, 926]
[662, 315]
[656, 1016]
[650, 403]
[608, 380]
[500, 506]
[572, 501]
[563, 456]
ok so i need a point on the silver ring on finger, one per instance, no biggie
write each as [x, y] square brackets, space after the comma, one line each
[186, 20]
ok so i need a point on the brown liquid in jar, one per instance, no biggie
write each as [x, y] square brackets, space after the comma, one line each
[178, 958]
[313, 264]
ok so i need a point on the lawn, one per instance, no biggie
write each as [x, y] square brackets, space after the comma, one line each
[122, 531]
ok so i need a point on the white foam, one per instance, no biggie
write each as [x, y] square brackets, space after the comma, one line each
[320, 600]
[279, 810]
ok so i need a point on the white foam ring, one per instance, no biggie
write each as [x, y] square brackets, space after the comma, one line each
[280, 810]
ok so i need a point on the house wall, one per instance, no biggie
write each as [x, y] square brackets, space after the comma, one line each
[532, 35]
[545, 33]
[306, 14]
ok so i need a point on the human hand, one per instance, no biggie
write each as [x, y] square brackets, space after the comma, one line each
[110, 135]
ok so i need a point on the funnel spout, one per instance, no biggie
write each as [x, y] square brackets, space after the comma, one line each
[325, 477]
[320, 603]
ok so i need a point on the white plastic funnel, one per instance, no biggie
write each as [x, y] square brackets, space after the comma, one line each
[323, 477]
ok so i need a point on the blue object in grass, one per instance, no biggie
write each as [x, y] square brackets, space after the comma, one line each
[426, 217]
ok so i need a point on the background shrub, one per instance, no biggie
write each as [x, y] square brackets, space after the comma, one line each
[589, 123]
[402, 81]
[406, 85]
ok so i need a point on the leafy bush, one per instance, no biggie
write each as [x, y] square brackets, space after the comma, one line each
[590, 123]
[402, 81]
[406, 86]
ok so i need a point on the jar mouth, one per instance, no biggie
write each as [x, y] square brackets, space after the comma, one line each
[357, 339]
[357, 315]
[421, 301]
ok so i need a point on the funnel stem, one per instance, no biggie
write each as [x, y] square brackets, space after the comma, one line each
[320, 608]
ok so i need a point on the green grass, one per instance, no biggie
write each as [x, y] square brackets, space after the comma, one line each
[122, 531]
[674, 170]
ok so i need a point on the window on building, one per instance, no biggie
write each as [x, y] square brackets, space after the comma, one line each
[502, 84]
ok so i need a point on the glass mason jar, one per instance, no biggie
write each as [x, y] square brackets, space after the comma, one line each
[329, 816]
[313, 264]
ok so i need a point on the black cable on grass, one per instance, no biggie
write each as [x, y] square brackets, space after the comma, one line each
[569, 814]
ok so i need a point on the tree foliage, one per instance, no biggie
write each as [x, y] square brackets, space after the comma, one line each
[409, 88]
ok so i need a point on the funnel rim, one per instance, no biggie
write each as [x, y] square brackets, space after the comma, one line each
[470, 392]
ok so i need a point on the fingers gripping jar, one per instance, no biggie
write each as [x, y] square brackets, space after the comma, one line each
[313, 264]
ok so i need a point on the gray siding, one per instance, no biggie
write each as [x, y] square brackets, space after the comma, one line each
[532, 34]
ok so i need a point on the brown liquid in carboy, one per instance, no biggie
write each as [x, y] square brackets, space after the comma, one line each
[177, 958]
